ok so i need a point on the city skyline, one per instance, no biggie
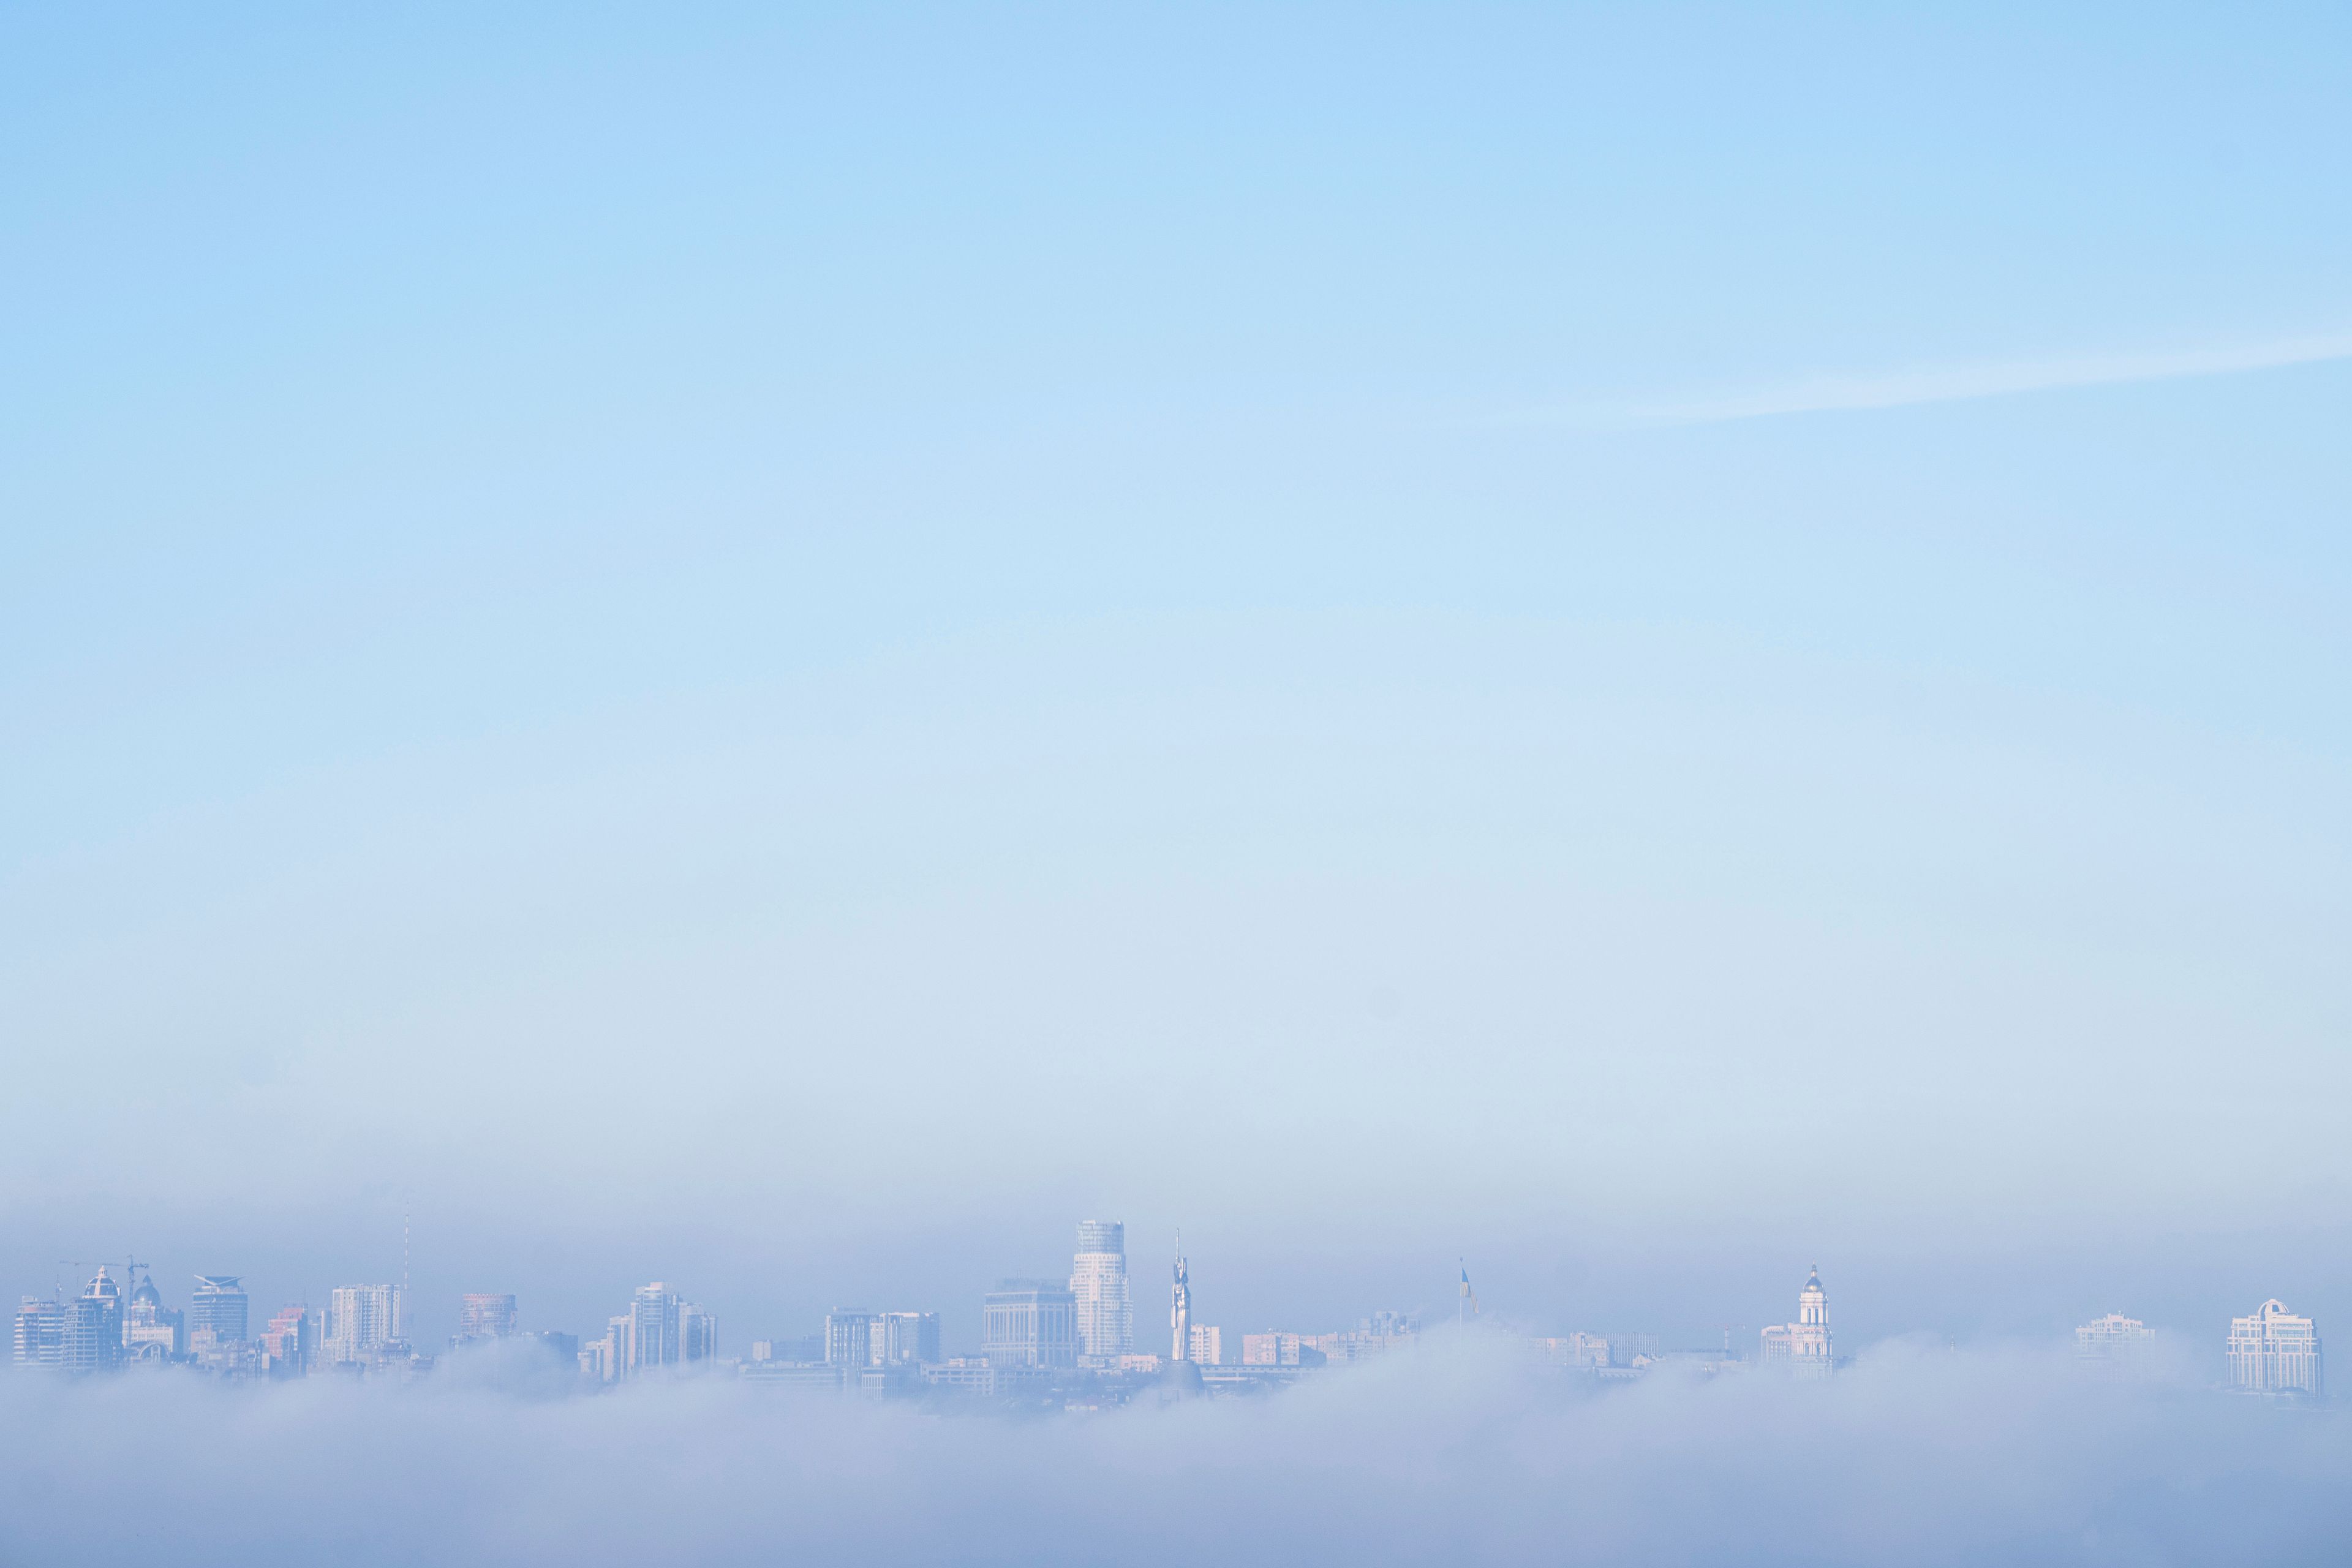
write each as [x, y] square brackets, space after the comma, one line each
[1028, 1327]
[1664, 1292]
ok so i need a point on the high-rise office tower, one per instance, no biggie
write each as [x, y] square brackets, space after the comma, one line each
[218, 1308]
[151, 1330]
[607, 1360]
[905, 1339]
[1030, 1322]
[364, 1323]
[41, 1331]
[849, 1338]
[1803, 1346]
[93, 1326]
[290, 1341]
[2276, 1352]
[1179, 1307]
[653, 1329]
[484, 1317]
[698, 1333]
[1098, 1282]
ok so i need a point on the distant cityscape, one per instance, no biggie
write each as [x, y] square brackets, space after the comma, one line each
[1068, 1342]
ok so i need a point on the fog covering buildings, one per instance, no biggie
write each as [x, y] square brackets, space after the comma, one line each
[1030, 1333]
[1462, 1451]
[661, 1330]
[1524, 1448]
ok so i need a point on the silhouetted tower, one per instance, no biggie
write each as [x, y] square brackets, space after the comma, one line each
[1179, 1306]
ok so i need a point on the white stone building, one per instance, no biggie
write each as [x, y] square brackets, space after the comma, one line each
[2114, 1340]
[364, 1321]
[1803, 1346]
[2276, 1352]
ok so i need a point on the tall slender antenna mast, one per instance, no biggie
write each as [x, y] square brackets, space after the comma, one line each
[400, 1328]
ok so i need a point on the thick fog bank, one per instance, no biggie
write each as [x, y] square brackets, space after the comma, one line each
[1458, 1453]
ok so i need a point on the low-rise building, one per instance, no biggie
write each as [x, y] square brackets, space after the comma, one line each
[1275, 1348]
[1576, 1350]
[973, 1374]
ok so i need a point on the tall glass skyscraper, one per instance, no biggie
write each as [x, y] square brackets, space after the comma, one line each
[1099, 1281]
[41, 1331]
[653, 1327]
[217, 1307]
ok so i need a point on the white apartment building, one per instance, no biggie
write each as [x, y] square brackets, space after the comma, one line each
[2114, 1340]
[849, 1337]
[2276, 1352]
[363, 1320]
[1803, 1346]
[1098, 1282]
[1208, 1345]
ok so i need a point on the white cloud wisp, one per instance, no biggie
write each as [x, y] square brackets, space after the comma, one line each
[1952, 384]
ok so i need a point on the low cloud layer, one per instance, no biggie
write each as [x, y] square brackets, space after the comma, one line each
[1459, 1452]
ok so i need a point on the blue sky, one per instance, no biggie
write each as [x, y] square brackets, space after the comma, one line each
[1603, 633]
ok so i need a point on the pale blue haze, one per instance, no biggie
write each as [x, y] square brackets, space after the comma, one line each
[786, 650]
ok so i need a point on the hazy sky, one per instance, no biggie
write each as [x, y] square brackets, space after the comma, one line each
[1652, 644]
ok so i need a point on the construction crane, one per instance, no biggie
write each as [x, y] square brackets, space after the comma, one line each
[130, 1267]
